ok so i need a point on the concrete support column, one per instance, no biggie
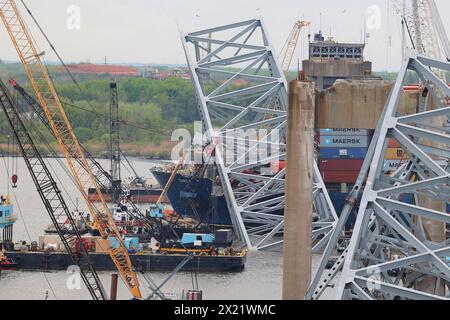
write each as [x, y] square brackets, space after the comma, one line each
[299, 181]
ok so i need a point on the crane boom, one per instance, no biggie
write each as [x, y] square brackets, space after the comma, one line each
[51, 197]
[426, 30]
[114, 134]
[440, 29]
[287, 53]
[74, 155]
[170, 181]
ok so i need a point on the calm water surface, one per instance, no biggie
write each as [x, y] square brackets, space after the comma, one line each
[261, 279]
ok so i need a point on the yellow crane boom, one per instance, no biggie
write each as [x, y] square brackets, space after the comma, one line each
[287, 53]
[60, 124]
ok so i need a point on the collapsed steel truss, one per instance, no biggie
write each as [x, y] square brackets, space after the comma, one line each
[241, 93]
[394, 253]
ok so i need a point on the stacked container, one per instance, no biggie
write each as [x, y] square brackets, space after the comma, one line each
[342, 153]
[395, 157]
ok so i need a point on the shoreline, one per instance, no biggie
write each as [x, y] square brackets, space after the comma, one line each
[96, 156]
[136, 151]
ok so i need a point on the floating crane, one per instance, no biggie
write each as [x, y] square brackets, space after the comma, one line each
[51, 104]
[287, 53]
[51, 197]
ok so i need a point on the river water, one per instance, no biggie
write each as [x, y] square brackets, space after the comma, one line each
[261, 280]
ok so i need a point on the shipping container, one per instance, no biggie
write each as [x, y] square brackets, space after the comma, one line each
[396, 154]
[345, 141]
[345, 132]
[340, 165]
[340, 176]
[343, 153]
[393, 165]
[394, 144]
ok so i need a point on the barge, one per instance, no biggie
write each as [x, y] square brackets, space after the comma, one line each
[139, 195]
[57, 261]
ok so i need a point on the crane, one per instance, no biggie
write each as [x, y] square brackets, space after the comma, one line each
[423, 23]
[287, 53]
[51, 197]
[104, 179]
[114, 138]
[54, 111]
[425, 28]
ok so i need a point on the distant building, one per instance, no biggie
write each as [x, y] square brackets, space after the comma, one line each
[148, 72]
[330, 60]
[156, 74]
[89, 68]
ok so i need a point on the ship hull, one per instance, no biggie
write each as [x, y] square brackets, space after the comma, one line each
[191, 196]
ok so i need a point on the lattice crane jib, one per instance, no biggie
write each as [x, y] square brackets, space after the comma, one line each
[114, 132]
[242, 99]
[287, 53]
[51, 197]
[54, 111]
[426, 30]
[399, 248]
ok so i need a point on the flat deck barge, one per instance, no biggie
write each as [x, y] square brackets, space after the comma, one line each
[54, 261]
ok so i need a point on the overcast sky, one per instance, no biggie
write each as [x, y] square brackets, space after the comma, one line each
[145, 31]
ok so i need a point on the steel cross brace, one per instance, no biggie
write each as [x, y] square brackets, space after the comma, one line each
[391, 254]
[242, 99]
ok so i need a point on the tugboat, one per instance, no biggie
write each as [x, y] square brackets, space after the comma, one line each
[127, 226]
[82, 220]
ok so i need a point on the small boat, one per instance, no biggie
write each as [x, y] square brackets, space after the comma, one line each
[81, 219]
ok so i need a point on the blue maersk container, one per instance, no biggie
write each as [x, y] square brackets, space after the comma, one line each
[343, 153]
[345, 141]
[345, 132]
